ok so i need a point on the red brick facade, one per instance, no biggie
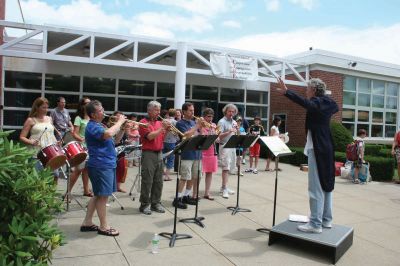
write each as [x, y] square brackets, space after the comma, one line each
[295, 115]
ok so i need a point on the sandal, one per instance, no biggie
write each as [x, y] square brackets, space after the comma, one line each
[89, 228]
[208, 197]
[108, 232]
[167, 179]
[90, 194]
[121, 190]
[268, 169]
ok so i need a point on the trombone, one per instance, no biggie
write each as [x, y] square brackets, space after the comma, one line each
[172, 128]
[113, 119]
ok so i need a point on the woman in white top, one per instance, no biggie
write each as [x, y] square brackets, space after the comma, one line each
[39, 127]
[273, 132]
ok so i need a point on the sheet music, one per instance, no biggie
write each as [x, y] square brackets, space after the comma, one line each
[276, 145]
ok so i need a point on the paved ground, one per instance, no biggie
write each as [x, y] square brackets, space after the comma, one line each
[373, 210]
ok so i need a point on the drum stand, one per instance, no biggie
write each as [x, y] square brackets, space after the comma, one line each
[67, 194]
[138, 179]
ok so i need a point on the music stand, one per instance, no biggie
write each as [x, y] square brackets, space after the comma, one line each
[199, 142]
[239, 142]
[279, 149]
[174, 236]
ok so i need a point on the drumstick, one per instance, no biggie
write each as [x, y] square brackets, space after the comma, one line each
[42, 133]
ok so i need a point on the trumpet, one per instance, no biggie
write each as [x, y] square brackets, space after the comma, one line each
[172, 128]
[217, 129]
[113, 119]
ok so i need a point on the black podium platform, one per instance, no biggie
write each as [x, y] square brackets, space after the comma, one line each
[333, 242]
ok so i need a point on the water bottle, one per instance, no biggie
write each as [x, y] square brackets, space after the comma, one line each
[155, 243]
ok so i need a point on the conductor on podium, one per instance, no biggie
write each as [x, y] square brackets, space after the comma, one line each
[319, 150]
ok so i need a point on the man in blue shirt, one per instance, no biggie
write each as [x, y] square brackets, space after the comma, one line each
[190, 160]
[101, 167]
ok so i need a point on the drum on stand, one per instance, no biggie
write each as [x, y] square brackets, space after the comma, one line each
[52, 156]
[76, 153]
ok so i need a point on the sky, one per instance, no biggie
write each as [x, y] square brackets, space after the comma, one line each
[364, 28]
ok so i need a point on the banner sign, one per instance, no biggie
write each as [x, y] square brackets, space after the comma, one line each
[234, 66]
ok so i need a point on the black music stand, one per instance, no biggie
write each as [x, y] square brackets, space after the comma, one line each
[279, 150]
[239, 142]
[199, 142]
[174, 236]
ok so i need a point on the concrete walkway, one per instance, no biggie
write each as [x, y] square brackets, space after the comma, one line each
[373, 210]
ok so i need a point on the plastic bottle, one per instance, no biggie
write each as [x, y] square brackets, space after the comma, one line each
[155, 244]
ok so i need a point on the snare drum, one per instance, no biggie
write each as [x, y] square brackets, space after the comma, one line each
[52, 156]
[75, 152]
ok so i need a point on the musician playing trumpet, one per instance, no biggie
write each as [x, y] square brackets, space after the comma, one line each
[190, 163]
[209, 157]
[152, 138]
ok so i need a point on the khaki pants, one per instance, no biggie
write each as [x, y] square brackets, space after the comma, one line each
[152, 181]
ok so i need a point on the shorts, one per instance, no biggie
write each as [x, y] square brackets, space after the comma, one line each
[397, 154]
[169, 161]
[255, 150]
[190, 169]
[226, 157]
[103, 181]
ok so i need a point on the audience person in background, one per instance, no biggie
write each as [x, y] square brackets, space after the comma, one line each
[361, 147]
[133, 139]
[169, 144]
[255, 130]
[273, 132]
[396, 152]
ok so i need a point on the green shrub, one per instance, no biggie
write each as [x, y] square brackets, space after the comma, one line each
[27, 204]
[295, 159]
[381, 169]
[387, 153]
[341, 136]
[373, 149]
[340, 156]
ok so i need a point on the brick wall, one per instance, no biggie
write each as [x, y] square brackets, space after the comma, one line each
[295, 115]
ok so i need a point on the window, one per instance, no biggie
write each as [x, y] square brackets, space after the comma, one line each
[61, 83]
[165, 90]
[204, 93]
[71, 100]
[260, 97]
[23, 80]
[19, 99]
[232, 95]
[371, 105]
[136, 87]
[99, 85]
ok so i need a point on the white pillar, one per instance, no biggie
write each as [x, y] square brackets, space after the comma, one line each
[180, 75]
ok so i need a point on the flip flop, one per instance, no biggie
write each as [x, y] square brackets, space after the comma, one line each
[90, 194]
[108, 232]
[269, 170]
[89, 228]
[208, 197]
[167, 179]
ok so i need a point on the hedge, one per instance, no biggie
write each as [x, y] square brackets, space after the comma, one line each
[381, 168]
[373, 149]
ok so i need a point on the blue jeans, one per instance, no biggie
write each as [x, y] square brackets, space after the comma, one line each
[320, 201]
[169, 161]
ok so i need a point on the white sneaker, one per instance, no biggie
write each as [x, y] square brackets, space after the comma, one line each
[255, 171]
[248, 170]
[230, 191]
[243, 161]
[327, 225]
[308, 228]
[225, 194]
